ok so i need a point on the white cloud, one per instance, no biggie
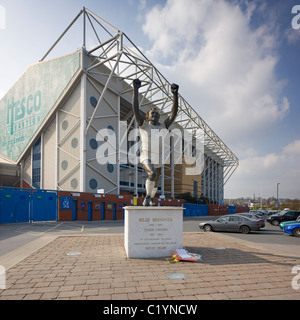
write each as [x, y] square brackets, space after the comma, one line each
[267, 171]
[226, 68]
[293, 148]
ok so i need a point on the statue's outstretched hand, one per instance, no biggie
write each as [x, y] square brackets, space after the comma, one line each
[174, 88]
[137, 83]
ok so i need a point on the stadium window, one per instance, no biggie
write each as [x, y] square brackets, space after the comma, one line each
[36, 164]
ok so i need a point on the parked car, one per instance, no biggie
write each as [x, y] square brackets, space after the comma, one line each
[234, 223]
[283, 224]
[270, 213]
[263, 215]
[262, 212]
[292, 229]
[282, 216]
[254, 217]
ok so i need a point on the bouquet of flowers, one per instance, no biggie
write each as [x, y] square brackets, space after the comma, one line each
[183, 255]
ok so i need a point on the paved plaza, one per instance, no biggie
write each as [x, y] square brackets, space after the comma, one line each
[96, 267]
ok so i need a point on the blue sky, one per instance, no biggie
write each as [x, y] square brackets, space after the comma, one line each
[236, 61]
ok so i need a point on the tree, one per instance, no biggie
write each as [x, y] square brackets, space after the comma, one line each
[291, 204]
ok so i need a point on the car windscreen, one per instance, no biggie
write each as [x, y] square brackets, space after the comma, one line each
[281, 213]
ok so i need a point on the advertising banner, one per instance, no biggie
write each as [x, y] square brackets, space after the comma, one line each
[28, 102]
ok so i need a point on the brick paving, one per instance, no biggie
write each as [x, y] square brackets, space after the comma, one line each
[103, 272]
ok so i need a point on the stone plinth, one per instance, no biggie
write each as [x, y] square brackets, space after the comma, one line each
[152, 232]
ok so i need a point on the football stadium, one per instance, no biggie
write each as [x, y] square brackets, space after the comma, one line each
[67, 123]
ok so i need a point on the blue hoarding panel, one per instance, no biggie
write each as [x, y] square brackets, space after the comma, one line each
[14, 206]
[231, 209]
[44, 206]
[195, 209]
[203, 210]
[22, 206]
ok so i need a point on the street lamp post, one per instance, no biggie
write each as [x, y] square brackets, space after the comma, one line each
[278, 183]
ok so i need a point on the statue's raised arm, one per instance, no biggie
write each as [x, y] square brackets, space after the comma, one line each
[173, 114]
[135, 102]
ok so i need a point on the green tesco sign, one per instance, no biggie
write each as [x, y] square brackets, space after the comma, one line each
[28, 108]
[30, 100]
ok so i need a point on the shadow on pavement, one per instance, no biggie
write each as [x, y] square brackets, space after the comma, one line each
[233, 256]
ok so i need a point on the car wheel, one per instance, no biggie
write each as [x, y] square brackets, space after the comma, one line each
[275, 223]
[244, 229]
[296, 232]
[207, 227]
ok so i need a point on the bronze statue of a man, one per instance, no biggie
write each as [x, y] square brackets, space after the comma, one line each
[145, 127]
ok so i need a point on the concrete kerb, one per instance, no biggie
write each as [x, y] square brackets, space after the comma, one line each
[15, 256]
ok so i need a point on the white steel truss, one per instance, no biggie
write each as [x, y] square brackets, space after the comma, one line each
[126, 62]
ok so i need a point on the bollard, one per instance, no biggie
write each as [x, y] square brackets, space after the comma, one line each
[89, 211]
[102, 210]
[114, 211]
[74, 210]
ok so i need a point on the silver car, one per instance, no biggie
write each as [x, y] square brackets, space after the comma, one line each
[254, 217]
[233, 223]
